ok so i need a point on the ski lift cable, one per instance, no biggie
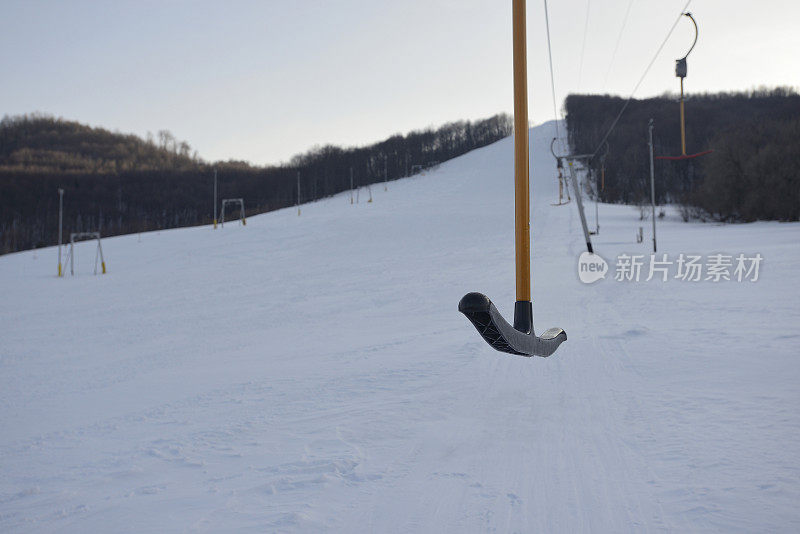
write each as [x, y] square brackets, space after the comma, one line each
[552, 76]
[641, 79]
[616, 46]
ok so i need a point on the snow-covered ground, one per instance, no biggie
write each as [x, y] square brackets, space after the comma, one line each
[312, 373]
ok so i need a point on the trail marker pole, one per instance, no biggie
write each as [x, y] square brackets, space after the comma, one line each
[100, 252]
[215, 199]
[369, 176]
[652, 183]
[298, 193]
[60, 219]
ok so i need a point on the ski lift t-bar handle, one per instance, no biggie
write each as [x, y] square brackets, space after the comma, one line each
[520, 338]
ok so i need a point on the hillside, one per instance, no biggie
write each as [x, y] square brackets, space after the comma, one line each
[312, 373]
[752, 173]
[45, 144]
[119, 184]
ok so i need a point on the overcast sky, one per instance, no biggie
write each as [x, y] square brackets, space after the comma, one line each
[264, 80]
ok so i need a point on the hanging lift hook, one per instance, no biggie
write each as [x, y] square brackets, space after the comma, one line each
[696, 33]
[558, 158]
[680, 64]
[680, 72]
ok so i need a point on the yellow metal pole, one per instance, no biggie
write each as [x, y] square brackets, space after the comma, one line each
[521, 186]
[60, 220]
[683, 125]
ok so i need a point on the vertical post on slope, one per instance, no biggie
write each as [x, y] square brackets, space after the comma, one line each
[369, 177]
[653, 183]
[385, 175]
[72, 255]
[60, 219]
[215, 199]
[96, 255]
[102, 259]
[596, 204]
[523, 309]
[579, 198]
[298, 193]
[351, 185]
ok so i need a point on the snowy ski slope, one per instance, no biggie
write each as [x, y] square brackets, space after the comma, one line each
[312, 373]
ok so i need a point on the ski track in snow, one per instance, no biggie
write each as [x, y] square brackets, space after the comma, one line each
[312, 373]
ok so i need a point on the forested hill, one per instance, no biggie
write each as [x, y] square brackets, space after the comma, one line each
[116, 183]
[36, 143]
[752, 173]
